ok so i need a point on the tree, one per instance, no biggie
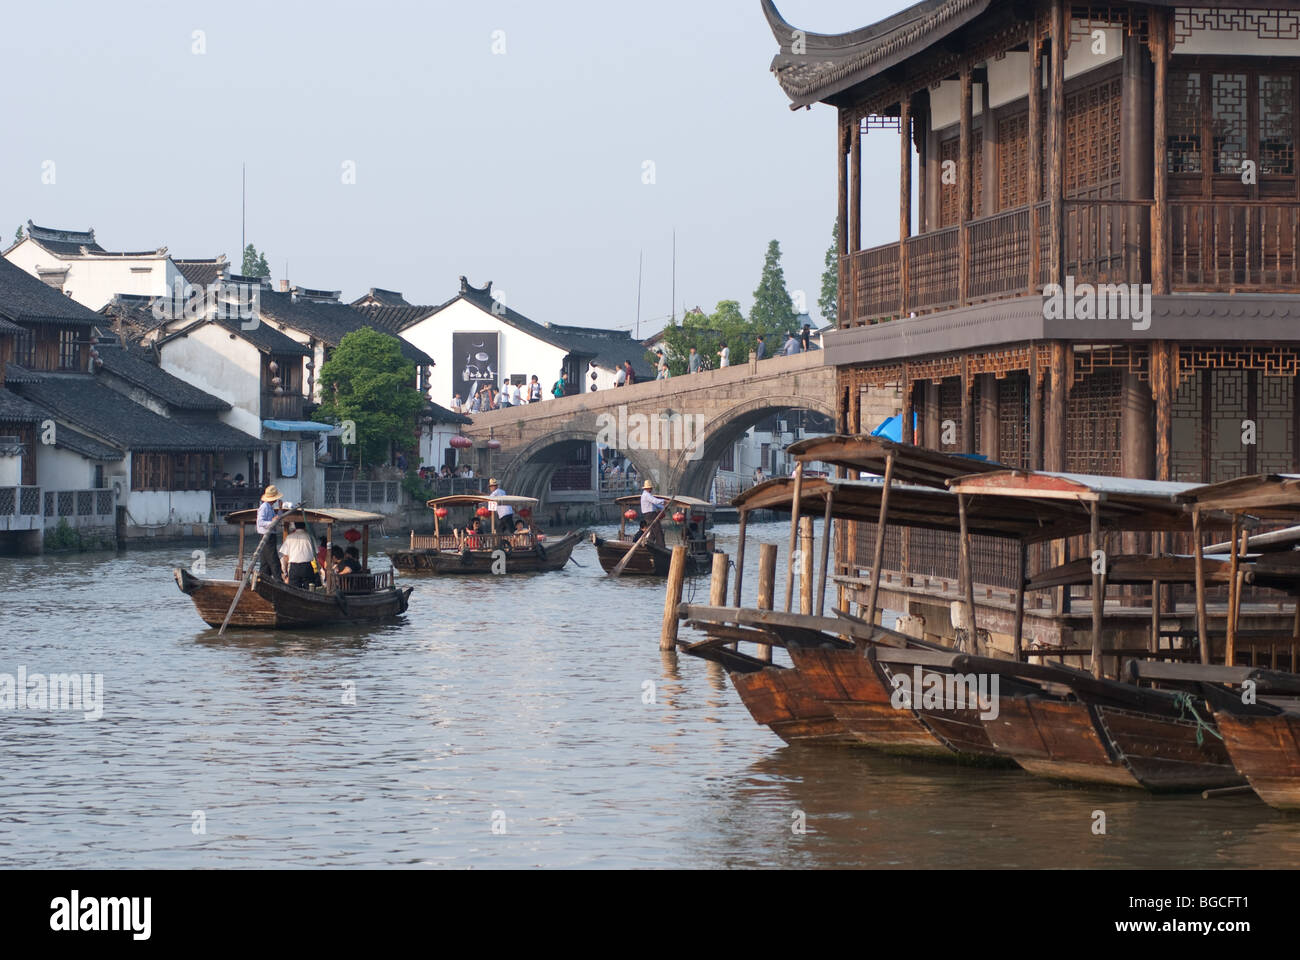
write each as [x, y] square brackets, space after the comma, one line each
[828, 302]
[368, 381]
[707, 333]
[18, 234]
[773, 312]
[255, 264]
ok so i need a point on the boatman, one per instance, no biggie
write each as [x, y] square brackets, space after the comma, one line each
[266, 525]
[650, 507]
[503, 510]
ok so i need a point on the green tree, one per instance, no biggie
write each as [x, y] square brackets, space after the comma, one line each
[707, 332]
[773, 312]
[368, 381]
[828, 302]
[18, 234]
[255, 264]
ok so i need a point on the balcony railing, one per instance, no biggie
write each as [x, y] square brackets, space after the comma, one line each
[1224, 246]
[77, 508]
[362, 494]
[287, 406]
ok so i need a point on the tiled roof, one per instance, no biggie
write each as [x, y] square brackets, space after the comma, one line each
[68, 439]
[136, 310]
[441, 414]
[608, 347]
[200, 273]
[393, 319]
[17, 374]
[263, 336]
[378, 296]
[829, 63]
[136, 365]
[25, 299]
[105, 414]
[7, 327]
[14, 409]
[63, 242]
[329, 322]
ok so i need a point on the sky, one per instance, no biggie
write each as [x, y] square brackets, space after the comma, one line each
[404, 144]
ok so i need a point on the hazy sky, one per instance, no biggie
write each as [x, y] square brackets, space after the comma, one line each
[523, 167]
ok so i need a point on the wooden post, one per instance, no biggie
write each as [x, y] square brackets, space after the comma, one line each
[1022, 568]
[1162, 394]
[1159, 43]
[806, 565]
[964, 185]
[968, 574]
[908, 413]
[794, 533]
[967, 408]
[1234, 595]
[878, 556]
[718, 585]
[904, 198]
[1098, 585]
[1056, 147]
[1035, 411]
[766, 588]
[1155, 616]
[1202, 632]
[365, 545]
[1035, 159]
[740, 555]
[1054, 454]
[673, 597]
[845, 317]
[827, 522]
[855, 187]
[239, 563]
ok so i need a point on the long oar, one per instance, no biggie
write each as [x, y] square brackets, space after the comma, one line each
[257, 560]
[618, 569]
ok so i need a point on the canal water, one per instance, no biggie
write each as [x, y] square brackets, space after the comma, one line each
[504, 722]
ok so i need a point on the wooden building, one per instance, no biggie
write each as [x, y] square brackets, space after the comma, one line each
[1098, 221]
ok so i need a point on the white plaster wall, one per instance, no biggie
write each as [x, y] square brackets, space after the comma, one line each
[93, 283]
[58, 469]
[1080, 58]
[1237, 42]
[155, 507]
[11, 470]
[945, 103]
[1008, 78]
[228, 368]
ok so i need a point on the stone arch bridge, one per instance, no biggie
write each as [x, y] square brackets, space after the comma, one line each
[673, 430]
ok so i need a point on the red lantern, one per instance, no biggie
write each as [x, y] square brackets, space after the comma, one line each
[493, 444]
[352, 536]
[461, 442]
[526, 512]
[678, 517]
[440, 513]
[629, 514]
[482, 511]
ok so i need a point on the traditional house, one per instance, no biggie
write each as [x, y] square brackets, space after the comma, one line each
[72, 262]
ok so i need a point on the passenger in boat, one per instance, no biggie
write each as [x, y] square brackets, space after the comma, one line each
[645, 525]
[296, 555]
[322, 555]
[521, 534]
[354, 558]
[474, 535]
[650, 506]
[266, 524]
[340, 564]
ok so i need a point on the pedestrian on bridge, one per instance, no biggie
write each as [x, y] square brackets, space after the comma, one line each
[760, 348]
[693, 362]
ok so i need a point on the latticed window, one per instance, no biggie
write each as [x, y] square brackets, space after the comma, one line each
[1228, 119]
[1232, 117]
[69, 350]
[950, 193]
[1092, 140]
[1013, 161]
[1277, 117]
[1183, 150]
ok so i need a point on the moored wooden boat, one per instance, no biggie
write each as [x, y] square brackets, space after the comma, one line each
[269, 603]
[651, 559]
[491, 551]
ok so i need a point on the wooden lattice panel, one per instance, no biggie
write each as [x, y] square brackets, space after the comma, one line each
[1277, 115]
[1272, 360]
[950, 193]
[999, 362]
[1093, 425]
[1133, 358]
[1228, 408]
[950, 409]
[1275, 419]
[936, 368]
[1013, 420]
[884, 375]
[1183, 141]
[1092, 140]
[1086, 18]
[1262, 24]
[1230, 110]
[1186, 459]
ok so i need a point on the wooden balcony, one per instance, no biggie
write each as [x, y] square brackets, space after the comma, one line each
[1220, 246]
[287, 406]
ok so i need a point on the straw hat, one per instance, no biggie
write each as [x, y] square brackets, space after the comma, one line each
[271, 495]
[648, 485]
[492, 482]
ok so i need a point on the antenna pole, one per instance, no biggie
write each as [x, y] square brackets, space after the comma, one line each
[243, 213]
[639, 256]
[673, 320]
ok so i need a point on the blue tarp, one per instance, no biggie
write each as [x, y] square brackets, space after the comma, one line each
[892, 429]
[302, 426]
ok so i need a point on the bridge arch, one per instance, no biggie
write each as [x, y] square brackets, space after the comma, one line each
[692, 474]
[529, 471]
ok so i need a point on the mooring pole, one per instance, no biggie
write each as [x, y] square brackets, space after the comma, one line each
[676, 577]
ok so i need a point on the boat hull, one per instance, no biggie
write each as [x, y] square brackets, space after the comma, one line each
[779, 698]
[265, 604]
[552, 556]
[1266, 750]
[651, 560]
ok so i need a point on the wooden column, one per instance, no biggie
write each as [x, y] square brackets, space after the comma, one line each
[1202, 628]
[1056, 146]
[855, 186]
[967, 576]
[1035, 411]
[964, 185]
[806, 566]
[1022, 568]
[844, 309]
[908, 413]
[1098, 585]
[904, 198]
[967, 408]
[740, 555]
[1234, 594]
[827, 524]
[932, 428]
[921, 126]
[766, 576]
[1159, 45]
[1035, 159]
[878, 555]
[1162, 397]
[988, 415]
[794, 533]
[673, 597]
[718, 584]
[1061, 375]
[1137, 444]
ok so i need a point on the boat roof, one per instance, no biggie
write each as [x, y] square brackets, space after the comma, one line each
[1026, 518]
[1073, 486]
[1271, 496]
[311, 515]
[912, 464]
[693, 502]
[457, 499]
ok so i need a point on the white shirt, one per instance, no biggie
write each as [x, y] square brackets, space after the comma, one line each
[514, 395]
[724, 357]
[298, 547]
[503, 509]
[621, 377]
[650, 503]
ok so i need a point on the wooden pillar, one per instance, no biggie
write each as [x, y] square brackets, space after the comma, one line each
[806, 566]
[844, 309]
[718, 584]
[1159, 45]
[967, 576]
[827, 522]
[1035, 411]
[1137, 445]
[920, 128]
[988, 415]
[932, 428]
[1098, 585]
[794, 533]
[967, 408]
[673, 597]
[1162, 396]
[904, 199]
[1135, 157]
[1202, 628]
[740, 555]
[855, 186]
[1061, 375]
[964, 185]
[1022, 568]
[1056, 146]
[1234, 594]
[878, 555]
[766, 575]
[1035, 159]
[908, 413]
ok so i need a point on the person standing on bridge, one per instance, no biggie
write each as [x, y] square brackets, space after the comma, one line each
[650, 507]
[534, 390]
[791, 345]
[661, 366]
[620, 377]
[724, 357]
[760, 348]
[693, 362]
[631, 374]
[560, 387]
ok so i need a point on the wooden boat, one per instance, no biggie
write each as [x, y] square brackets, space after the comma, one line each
[493, 552]
[270, 603]
[651, 559]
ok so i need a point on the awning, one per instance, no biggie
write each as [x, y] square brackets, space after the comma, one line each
[297, 426]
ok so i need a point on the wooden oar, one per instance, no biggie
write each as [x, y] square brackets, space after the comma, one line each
[257, 560]
[618, 569]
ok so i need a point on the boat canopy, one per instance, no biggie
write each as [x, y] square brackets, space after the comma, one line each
[869, 454]
[460, 499]
[311, 515]
[1074, 486]
[1019, 517]
[1268, 496]
[693, 502]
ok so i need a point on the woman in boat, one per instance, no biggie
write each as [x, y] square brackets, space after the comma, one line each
[474, 535]
[340, 563]
[521, 534]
